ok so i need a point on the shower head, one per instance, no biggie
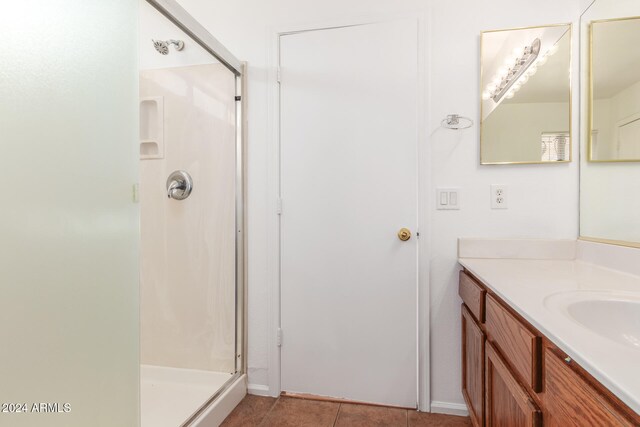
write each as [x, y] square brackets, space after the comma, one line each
[163, 46]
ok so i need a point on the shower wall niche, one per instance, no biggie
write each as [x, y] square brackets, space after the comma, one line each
[152, 127]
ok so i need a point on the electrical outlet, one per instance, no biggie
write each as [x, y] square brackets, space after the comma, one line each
[499, 197]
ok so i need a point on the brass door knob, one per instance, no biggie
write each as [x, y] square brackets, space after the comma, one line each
[404, 234]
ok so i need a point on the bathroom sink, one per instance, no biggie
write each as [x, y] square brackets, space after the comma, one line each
[615, 316]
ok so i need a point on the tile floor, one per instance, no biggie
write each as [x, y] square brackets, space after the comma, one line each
[256, 411]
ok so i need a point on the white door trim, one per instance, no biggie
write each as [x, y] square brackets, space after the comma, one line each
[424, 198]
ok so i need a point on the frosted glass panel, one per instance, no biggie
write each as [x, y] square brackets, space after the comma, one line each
[68, 224]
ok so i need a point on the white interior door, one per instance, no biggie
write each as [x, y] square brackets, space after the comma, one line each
[348, 185]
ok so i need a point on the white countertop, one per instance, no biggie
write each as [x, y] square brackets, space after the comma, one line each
[525, 284]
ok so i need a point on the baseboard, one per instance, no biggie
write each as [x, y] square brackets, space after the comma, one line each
[449, 408]
[307, 396]
[258, 390]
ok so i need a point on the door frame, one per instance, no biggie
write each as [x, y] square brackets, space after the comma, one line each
[273, 196]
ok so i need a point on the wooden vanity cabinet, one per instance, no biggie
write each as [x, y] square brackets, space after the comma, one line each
[514, 376]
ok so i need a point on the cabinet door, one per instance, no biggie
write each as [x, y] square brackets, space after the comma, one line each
[473, 367]
[571, 401]
[507, 403]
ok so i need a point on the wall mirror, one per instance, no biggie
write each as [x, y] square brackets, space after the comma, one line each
[526, 95]
[610, 122]
[615, 90]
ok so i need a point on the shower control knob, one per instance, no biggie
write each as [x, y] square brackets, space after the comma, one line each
[179, 185]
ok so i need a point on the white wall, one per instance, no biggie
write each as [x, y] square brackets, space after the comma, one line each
[543, 198]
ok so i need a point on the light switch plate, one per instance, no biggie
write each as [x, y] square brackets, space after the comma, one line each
[448, 198]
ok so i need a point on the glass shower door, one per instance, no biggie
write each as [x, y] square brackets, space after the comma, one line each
[68, 222]
[188, 182]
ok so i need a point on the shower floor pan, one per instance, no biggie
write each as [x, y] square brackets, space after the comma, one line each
[170, 396]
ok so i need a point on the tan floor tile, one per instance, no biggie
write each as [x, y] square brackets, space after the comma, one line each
[351, 415]
[291, 412]
[422, 419]
[250, 412]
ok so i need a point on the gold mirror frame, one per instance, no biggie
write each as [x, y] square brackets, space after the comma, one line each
[590, 107]
[482, 34]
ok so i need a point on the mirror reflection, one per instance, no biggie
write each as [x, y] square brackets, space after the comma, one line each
[526, 95]
[615, 90]
[609, 107]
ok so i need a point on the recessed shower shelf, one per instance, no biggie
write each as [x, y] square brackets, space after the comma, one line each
[152, 128]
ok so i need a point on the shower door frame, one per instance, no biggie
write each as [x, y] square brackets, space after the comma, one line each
[191, 27]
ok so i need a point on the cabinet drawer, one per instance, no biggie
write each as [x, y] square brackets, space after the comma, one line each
[472, 295]
[519, 345]
[572, 401]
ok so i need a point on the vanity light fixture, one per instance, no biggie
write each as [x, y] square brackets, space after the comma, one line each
[514, 73]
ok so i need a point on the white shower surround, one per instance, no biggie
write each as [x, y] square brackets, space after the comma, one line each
[188, 247]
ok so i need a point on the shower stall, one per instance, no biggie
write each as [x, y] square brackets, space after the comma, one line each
[191, 221]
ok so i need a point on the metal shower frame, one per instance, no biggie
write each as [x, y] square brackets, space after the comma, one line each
[191, 27]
